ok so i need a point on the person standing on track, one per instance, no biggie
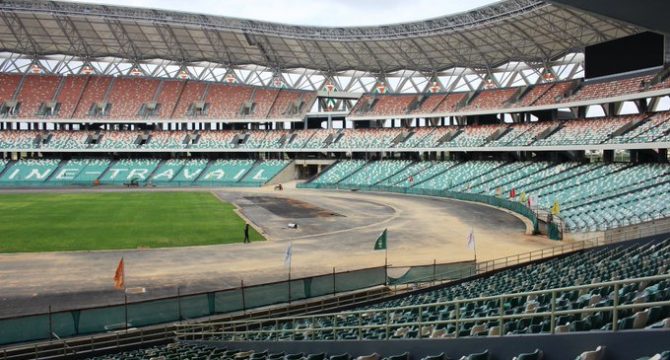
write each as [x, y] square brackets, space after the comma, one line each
[246, 233]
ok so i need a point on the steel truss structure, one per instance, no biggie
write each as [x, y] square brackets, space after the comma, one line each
[354, 82]
[510, 43]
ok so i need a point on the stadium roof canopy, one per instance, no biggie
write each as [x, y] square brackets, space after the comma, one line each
[514, 30]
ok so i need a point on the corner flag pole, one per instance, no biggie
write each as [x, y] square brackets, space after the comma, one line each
[474, 244]
[386, 262]
[288, 257]
[381, 244]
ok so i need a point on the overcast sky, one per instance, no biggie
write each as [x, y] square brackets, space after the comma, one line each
[313, 12]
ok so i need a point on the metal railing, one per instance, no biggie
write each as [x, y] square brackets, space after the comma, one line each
[608, 238]
[313, 328]
[139, 337]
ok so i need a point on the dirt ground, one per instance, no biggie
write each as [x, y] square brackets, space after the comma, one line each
[336, 229]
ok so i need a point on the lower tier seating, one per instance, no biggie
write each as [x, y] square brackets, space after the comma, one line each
[174, 351]
[144, 172]
[29, 171]
[591, 196]
[525, 296]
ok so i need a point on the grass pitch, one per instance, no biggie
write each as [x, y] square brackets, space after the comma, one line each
[97, 221]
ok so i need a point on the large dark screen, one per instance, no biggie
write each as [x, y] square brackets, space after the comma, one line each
[634, 52]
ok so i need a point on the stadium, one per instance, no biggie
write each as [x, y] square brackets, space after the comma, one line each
[489, 184]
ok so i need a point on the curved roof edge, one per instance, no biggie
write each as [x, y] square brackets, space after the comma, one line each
[530, 31]
[437, 25]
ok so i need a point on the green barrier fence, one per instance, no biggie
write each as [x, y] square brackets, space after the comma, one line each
[514, 206]
[554, 231]
[435, 272]
[192, 306]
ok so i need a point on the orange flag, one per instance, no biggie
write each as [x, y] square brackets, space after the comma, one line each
[120, 276]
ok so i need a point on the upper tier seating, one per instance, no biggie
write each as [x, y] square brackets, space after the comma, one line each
[226, 101]
[551, 95]
[8, 85]
[94, 93]
[609, 88]
[36, 90]
[168, 95]
[388, 105]
[76, 94]
[429, 104]
[263, 99]
[533, 94]
[448, 104]
[70, 95]
[284, 105]
[129, 94]
[191, 93]
[491, 99]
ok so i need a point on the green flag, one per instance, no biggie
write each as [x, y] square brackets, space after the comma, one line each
[380, 244]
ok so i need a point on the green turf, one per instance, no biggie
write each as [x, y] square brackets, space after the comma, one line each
[95, 221]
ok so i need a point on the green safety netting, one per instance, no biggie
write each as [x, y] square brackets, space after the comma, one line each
[437, 272]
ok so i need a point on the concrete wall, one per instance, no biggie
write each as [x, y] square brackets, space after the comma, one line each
[288, 174]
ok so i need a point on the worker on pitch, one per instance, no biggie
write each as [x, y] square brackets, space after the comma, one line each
[246, 233]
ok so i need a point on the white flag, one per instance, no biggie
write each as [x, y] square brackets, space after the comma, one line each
[288, 255]
[471, 240]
